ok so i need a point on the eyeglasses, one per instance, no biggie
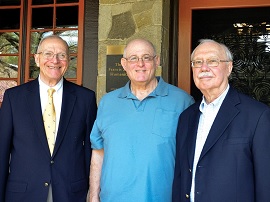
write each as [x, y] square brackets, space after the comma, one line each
[144, 58]
[50, 55]
[209, 62]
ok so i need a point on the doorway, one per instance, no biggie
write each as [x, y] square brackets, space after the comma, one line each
[244, 28]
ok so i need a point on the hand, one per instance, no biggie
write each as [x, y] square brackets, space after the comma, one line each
[94, 198]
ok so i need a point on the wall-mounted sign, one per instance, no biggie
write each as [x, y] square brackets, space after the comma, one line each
[116, 77]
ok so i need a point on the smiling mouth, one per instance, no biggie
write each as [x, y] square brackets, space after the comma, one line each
[50, 67]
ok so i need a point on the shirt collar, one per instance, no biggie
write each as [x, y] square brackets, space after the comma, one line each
[217, 102]
[42, 85]
[160, 90]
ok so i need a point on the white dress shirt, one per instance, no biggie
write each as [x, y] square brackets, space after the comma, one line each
[207, 117]
[57, 99]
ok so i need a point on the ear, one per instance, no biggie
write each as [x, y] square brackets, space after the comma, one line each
[230, 67]
[124, 63]
[37, 59]
[157, 61]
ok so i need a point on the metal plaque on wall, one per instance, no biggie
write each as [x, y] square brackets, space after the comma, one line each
[116, 77]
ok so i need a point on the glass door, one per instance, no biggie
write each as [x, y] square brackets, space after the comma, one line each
[244, 27]
[246, 31]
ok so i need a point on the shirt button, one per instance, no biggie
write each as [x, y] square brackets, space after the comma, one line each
[187, 196]
[46, 184]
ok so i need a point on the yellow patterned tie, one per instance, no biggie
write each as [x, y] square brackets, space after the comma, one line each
[49, 120]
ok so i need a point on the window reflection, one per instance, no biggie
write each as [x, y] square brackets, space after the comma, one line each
[9, 18]
[66, 16]
[42, 18]
[9, 43]
[67, 1]
[10, 3]
[5, 84]
[41, 2]
[71, 72]
[9, 54]
[71, 37]
[35, 39]
[8, 66]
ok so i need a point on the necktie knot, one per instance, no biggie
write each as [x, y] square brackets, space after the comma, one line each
[50, 92]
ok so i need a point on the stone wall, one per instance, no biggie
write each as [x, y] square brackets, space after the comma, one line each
[123, 20]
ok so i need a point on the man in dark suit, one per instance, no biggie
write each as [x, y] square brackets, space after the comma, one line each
[28, 170]
[223, 142]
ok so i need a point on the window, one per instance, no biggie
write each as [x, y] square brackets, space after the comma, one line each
[21, 31]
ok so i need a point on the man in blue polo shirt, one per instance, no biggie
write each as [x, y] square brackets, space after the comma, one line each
[133, 138]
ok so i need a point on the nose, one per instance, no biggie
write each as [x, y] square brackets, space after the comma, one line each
[55, 58]
[204, 65]
[140, 62]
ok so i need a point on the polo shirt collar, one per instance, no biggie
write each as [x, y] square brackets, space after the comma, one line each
[160, 90]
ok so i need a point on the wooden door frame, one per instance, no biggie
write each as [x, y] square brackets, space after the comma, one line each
[185, 30]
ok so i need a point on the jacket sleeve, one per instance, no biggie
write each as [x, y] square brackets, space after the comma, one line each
[261, 157]
[6, 132]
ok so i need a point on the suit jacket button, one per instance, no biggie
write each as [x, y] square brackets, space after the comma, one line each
[52, 162]
[46, 184]
[187, 196]
[189, 170]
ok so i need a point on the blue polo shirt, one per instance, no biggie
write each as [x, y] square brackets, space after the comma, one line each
[138, 138]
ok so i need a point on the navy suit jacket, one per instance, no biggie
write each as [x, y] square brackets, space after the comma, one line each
[26, 166]
[235, 161]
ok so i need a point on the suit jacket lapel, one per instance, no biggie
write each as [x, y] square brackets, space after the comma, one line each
[34, 107]
[193, 127]
[226, 114]
[68, 102]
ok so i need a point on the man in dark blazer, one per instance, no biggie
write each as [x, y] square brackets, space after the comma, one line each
[28, 171]
[223, 142]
